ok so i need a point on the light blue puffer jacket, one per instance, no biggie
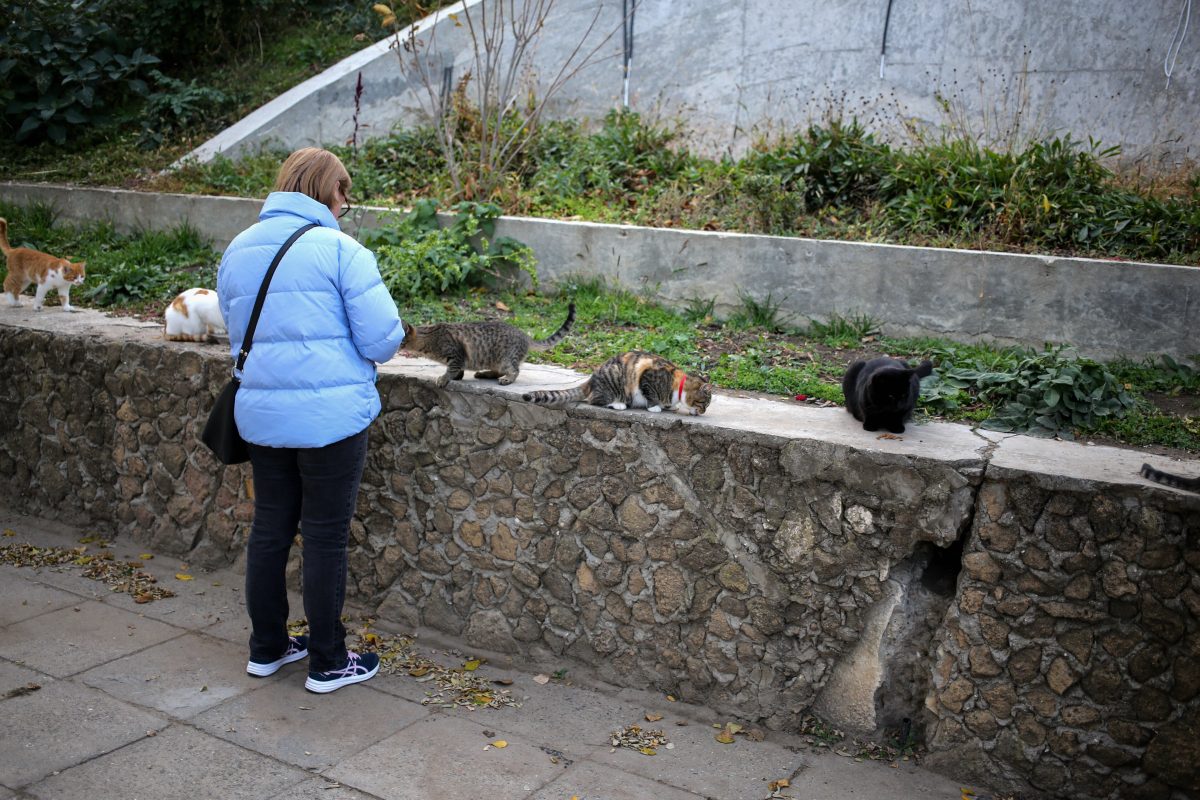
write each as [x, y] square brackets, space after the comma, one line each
[309, 380]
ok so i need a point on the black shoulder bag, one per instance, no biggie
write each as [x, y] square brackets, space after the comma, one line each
[220, 432]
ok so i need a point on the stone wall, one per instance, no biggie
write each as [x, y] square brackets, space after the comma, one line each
[1042, 630]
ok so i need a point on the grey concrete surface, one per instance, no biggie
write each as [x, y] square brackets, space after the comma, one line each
[1105, 309]
[170, 713]
[733, 72]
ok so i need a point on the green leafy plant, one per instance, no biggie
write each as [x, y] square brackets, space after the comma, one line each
[177, 106]
[62, 66]
[418, 257]
[1039, 392]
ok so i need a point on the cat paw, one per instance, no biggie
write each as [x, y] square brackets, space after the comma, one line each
[897, 429]
[70, 309]
[617, 406]
[443, 381]
[654, 409]
[505, 381]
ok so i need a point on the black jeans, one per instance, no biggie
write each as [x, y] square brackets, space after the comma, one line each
[315, 488]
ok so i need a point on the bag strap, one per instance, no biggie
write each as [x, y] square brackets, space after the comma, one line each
[248, 340]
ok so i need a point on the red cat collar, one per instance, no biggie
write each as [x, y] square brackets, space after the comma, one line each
[681, 380]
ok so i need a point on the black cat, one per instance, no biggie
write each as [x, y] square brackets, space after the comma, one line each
[882, 392]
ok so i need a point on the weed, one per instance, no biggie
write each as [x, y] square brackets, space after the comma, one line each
[844, 332]
[698, 309]
[756, 313]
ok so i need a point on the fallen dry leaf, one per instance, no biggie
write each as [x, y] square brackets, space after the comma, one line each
[890, 436]
[500, 743]
[541, 679]
[501, 306]
[183, 576]
[653, 717]
[775, 786]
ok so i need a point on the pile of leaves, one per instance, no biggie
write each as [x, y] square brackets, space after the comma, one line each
[894, 747]
[125, 577]
[635, 737]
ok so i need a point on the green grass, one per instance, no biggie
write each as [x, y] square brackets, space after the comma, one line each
[141, 272]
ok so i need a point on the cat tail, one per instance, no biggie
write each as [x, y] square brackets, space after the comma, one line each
[4, 245]
[925, 369]
[1167, 479]
[559, 397]
[558, 335]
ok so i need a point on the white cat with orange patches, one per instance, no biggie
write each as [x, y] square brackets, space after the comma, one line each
[26, 266]
[194, 316]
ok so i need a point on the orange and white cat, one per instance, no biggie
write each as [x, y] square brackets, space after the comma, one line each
[194, 316]
[26, 266]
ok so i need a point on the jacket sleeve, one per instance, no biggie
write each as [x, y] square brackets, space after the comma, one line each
[375, 324]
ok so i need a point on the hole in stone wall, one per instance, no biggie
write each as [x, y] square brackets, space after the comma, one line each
[928, 580]
[942, 566]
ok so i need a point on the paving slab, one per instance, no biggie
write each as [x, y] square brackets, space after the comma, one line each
[320, 788]
[371, 741]
[831, 777]
[699, 764]
[22, 598]
[81, 636]
[589, 781]
[178, 764]
[443, 756]
[181, 677]
[14, 676]
[202, 602]
[63, 724]
[541, 720]
[287, 722]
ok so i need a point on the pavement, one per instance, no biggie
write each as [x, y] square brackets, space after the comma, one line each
[105, 697]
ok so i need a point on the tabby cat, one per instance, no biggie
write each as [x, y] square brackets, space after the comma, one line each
[1170, 479]
[492, 349]
[635, 380]
[26, 266]
[882, 392]
[193, 316]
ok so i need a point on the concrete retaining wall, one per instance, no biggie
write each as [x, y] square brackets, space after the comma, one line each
[1104, 308]
[1033, 606]
[1005, 71]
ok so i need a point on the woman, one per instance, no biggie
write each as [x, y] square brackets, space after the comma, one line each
[306, 398]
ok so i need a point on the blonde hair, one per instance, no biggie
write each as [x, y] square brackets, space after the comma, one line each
[314, 172]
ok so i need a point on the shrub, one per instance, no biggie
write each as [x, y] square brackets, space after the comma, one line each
[418, 258]
[177, 106]
[839, 165]
[62, 64]
[1039, 392]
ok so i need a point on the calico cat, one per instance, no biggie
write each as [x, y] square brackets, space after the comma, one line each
[1170, 479]
[26, 266]
[882, 392]
[193, 316]
[635, 380]
[492, 349]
